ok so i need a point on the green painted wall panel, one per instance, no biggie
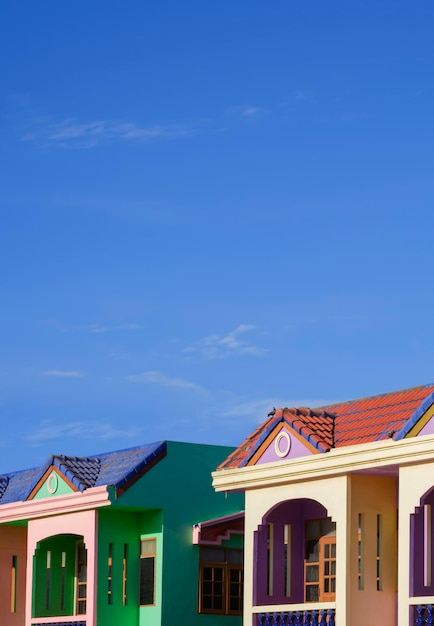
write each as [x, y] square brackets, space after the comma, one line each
[121, 527]
[181, 486]
[44, 606]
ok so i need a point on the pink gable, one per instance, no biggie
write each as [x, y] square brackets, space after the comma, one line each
[284, 445]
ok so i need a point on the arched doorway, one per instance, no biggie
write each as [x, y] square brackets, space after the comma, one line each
[60, 576]
[295, 554]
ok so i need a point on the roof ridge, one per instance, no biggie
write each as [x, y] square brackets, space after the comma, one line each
[144, 445]
[4, 481]
[378, 395]
[75, 457]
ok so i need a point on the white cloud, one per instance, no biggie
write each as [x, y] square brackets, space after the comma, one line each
[246, 111]
[259, 409]
[250, 111]
[49, 430]
[222, 346]
[63, 373]
[97, 329]
[155, 377]
[70, 133]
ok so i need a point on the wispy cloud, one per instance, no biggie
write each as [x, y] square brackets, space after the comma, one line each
[155, 377]
[259, 409]
[97, 329]
[246, 111]
[71, 133]
[63, 373]
[222, 346]
[100, 329]
[50, 430]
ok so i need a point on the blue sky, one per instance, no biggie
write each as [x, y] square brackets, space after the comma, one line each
[209, 209]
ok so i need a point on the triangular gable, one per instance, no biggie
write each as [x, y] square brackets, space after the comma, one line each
[314, 427]
[74, 473]
[282, 443]
[52, 483]
[421, 422]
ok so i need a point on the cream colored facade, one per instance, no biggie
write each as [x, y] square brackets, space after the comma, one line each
[386, 480]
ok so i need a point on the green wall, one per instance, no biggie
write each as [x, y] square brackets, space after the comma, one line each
[55, 545]
[180, 487]
[119, 528]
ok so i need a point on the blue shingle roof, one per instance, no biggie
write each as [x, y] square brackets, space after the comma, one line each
[116, 469]
[4, 480]
[19, 485]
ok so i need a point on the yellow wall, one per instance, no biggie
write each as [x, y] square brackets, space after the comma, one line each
[333, 494]
[372, 496]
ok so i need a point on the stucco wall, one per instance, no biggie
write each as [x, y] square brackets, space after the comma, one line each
[12, 543]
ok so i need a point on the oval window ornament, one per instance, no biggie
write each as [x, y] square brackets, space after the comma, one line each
[282, 444]
[52, 483]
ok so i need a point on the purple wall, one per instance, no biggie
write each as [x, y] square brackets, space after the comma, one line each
[298, 449]
[428, 429]
[417, 549]
[294, 512]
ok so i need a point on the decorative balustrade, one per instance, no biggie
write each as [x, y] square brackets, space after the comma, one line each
[301, 618]
[424, 615]
[67, 623]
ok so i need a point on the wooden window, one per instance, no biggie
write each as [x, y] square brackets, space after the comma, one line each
[327, 555]
[221, 581]
[147, 572]
[110, 574]
[320, 560]
[379, 553]
[81, 586]
[287, 557]
[270, 558]
[14, 584]
[63, 582]
[48, 580]
[360, 553]
[427, 545]
[124, 575]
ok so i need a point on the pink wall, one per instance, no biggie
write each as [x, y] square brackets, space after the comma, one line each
[12, 543]
[83, 523]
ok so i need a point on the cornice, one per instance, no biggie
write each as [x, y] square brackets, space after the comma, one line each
[92, 498]
[339, 461]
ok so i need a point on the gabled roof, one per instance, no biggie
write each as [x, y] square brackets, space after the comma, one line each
[117, 469]
[315, 426]
[19, 485]
[346, 423]
[214, 531]
[378, 417]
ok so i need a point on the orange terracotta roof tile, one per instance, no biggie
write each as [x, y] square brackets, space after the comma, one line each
[343, 424]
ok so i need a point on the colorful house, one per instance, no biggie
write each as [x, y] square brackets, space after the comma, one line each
[120, 539]
[338, 513]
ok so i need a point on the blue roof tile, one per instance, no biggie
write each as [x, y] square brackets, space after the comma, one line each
[116, 469]
[19, 485]
[4, 480]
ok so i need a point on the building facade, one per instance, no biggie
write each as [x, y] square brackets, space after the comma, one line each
[107, 540]
[338, 513]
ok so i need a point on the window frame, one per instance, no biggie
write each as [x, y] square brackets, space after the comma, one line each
[226, 566]
[148, 556]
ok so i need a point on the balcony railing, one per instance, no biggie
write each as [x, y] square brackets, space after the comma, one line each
[299, 618]
[424, 615]
[63, 623]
